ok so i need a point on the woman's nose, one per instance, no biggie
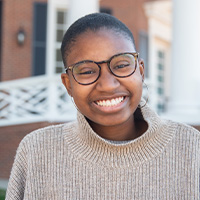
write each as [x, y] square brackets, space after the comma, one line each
[107, 81]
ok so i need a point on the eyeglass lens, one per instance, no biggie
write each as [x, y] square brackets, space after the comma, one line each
[88, 72]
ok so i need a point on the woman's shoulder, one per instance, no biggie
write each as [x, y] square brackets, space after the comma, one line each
[184, 130]
[49, 135]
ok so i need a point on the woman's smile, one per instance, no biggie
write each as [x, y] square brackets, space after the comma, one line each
[110, 102]
[111, 105]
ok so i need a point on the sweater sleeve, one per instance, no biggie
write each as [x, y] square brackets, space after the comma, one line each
[17, 181]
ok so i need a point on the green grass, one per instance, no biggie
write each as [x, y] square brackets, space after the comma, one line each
[2, 194]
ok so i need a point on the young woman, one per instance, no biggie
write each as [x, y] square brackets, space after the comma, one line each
[118, 148]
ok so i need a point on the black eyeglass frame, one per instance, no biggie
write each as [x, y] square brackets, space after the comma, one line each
[135, 54]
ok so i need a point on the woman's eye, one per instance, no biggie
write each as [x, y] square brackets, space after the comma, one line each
[122, 66]
[86, 72]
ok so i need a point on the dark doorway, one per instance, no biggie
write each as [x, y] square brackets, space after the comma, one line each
[39, 38]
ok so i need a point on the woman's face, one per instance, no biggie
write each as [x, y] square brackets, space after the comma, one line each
[122, 94]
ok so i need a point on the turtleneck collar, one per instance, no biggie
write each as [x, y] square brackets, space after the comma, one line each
[88, 145]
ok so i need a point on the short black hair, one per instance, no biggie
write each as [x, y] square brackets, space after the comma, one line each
[93, 22]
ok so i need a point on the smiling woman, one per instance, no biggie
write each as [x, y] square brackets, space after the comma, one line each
[108, 82]
[117, 148]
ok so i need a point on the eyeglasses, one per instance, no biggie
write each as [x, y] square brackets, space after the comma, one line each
[120, 65]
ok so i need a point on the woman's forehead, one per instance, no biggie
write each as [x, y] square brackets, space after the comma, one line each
[102, 32]
[101, 39]
[99, 45]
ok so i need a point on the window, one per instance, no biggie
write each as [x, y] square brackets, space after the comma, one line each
[160, 91]
[39, 38]
[143, 50]
[161, 80]
[160, 107]
[61, 21]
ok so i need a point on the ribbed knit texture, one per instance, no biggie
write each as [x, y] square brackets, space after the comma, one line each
[71, 161]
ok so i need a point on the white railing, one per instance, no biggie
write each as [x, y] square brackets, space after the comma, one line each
[35, 99]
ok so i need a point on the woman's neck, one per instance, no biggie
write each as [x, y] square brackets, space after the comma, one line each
[129, 130]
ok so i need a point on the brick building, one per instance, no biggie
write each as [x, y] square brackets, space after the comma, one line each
[31, 94]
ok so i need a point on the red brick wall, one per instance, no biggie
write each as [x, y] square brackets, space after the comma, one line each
[10, 137]
[16, 60]
[16, 63]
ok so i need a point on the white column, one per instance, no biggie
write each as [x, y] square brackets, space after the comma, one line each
[79, 8]
[50, 48]
[184, 103]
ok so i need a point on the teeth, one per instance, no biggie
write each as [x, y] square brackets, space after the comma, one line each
[111, 102]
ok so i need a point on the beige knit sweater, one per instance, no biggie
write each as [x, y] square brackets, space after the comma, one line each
[70, 161]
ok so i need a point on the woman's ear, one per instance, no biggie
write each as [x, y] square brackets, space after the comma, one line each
[66, 82]
[141, 67]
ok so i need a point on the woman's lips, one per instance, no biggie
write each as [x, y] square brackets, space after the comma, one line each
[110, 102]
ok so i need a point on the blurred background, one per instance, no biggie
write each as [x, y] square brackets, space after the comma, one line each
[167, 36]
